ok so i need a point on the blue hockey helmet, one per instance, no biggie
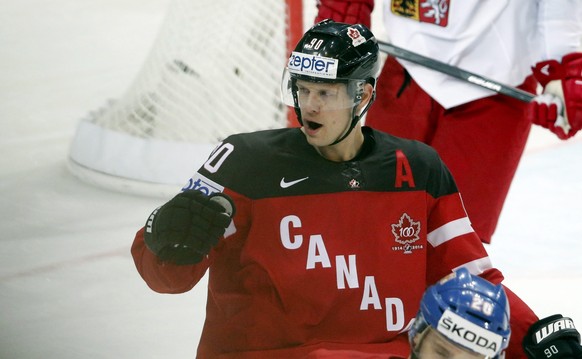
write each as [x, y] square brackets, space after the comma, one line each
[468, 310]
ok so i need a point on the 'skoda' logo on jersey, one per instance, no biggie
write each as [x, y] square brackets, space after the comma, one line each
[406, 232]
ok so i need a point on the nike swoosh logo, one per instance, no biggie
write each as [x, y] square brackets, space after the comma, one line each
[285, 184]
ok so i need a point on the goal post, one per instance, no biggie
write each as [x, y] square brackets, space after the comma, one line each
[214, 70]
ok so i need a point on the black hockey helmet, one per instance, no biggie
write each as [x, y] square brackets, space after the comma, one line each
[333, 52]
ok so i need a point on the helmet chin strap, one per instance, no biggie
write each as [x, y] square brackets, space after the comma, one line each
[355, 120]
[352, 124]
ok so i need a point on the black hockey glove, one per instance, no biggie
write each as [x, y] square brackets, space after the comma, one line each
[184, 230]
[553, 337]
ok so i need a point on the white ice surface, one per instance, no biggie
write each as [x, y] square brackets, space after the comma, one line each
[68, 286]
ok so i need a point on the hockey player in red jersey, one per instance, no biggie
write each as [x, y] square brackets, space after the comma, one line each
[479, 135]
[337, 229]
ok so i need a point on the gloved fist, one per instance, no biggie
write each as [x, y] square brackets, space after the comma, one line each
[559, 108]
[184, 230]
[347, 11]
[553, 337]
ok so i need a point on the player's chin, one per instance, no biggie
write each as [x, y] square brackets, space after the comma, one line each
[314, 139]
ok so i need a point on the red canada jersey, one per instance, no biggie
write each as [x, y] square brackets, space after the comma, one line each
[323, 259]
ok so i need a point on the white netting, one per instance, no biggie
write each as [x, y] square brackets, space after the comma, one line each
[214, 70]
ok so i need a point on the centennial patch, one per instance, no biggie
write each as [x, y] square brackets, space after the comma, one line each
[406, 233]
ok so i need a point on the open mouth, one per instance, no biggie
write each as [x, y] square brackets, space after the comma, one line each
[313, 125]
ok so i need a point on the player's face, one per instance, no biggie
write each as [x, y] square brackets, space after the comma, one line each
[326, 111]
[435, 346]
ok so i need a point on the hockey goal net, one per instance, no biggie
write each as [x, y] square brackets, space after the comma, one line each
[214, 70]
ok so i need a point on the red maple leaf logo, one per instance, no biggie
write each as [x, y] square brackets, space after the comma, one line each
[353, 33]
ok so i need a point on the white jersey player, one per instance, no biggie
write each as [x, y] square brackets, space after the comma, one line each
[479, 134]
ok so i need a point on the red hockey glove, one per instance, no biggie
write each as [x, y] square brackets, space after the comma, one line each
[559, 108]
[553, 337]
[184, 230]
[350, 12]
